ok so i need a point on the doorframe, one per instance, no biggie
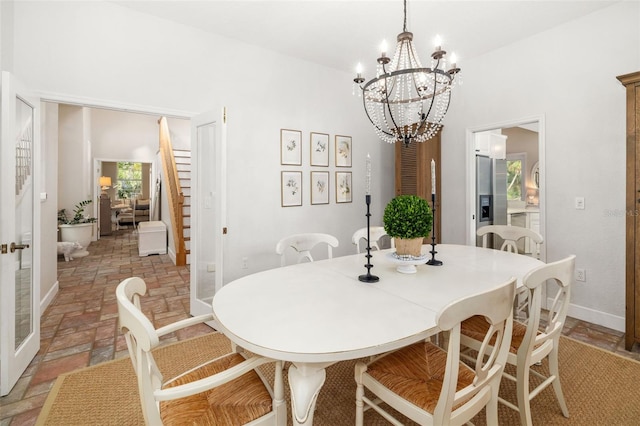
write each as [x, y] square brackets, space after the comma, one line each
[471, 174]
[61, 98]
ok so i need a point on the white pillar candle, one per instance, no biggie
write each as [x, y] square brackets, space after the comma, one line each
[433, 176]
[367, 182]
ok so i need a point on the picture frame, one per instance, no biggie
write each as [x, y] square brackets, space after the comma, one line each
[290, 147]
[343, 150]
[291, 188]
[319, 149]
[344, 189]
[319, 187]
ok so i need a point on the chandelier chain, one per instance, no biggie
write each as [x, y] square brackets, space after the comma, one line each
[404, 26]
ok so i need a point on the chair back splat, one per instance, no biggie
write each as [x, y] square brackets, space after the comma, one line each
[375, 232]
[431, 385]
[302, 244]
[511, 235]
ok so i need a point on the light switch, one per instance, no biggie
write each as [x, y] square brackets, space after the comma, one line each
[579, 203]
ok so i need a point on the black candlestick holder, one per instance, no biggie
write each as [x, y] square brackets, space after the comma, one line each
[368, 278]
[433, 261]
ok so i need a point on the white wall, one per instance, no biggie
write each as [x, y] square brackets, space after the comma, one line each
[151, 64]
[49, 207]
[72, 153]
[568, 74]
[6, 36]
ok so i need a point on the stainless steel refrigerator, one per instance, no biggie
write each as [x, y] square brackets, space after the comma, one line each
[491, 195]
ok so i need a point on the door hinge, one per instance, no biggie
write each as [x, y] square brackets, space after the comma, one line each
[3, 249]
[224, 230]
[224, 115]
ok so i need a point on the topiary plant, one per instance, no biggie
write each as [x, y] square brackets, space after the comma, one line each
[408, 217]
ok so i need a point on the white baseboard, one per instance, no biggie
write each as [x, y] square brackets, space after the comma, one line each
[596, 317]
[172, 254]
[48, 298]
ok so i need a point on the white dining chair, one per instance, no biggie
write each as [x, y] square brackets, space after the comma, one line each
[530, 343]
[431, 385]
[303, 244]
[511, 236]
[128, 215]
[225, 390]
[375, 233]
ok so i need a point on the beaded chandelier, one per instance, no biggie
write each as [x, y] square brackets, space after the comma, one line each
[406, 102]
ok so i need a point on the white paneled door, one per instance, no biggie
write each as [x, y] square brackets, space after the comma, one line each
[208, 207]
[19, 211]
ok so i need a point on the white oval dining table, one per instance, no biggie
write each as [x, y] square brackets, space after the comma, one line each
[316, 314]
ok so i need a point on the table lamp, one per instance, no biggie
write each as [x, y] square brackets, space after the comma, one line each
[105, 183]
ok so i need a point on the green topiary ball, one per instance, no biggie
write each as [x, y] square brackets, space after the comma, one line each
[408, 216]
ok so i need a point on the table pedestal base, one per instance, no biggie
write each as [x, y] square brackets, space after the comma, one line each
[305, 381]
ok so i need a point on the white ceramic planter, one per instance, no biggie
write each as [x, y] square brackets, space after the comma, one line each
[80, 233]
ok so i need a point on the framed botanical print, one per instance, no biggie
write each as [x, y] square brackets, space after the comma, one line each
[319, 187]
[291, 192]
[290, 147]
[343, 151]
[319, 147]
[343, 187]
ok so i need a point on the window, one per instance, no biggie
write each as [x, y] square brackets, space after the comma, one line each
[515, 180]
[129, 183]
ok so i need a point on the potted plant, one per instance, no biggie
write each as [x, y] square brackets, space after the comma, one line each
[408, 219]
[77, 228]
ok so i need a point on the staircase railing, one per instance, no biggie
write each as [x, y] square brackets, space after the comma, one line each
[24, 143]
[174, 192]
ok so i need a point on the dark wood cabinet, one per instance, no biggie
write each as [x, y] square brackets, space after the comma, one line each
[632, 321]
[413, 173]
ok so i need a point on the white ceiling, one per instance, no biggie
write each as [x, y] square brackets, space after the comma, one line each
[339, 34]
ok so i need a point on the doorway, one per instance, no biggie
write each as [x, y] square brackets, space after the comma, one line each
[132, 185]
[522, 200]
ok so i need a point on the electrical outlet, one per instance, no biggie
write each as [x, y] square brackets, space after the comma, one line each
[579, 203]
[245, 263]
[581, 275]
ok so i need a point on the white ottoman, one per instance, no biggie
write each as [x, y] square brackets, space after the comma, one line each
[152, 238]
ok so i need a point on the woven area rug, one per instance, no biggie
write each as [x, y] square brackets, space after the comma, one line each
[600, 388]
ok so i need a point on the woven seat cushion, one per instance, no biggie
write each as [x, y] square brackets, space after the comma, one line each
[416, 373]
[235, 403]
[476, 327]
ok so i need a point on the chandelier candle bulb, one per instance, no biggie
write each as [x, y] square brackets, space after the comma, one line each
[453, 61]
[437, 41]
[359, 79]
